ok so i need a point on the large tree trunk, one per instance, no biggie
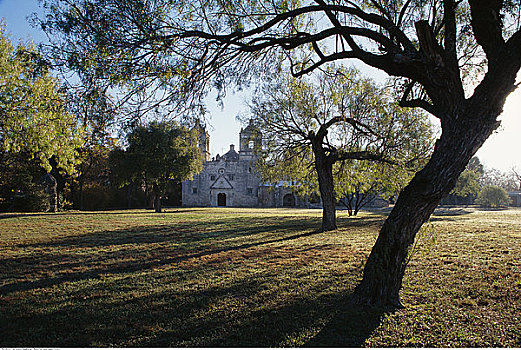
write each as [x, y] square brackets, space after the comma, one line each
[385, 267]
[324, 168]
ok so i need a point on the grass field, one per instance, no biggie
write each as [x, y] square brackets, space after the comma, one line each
[251, 277]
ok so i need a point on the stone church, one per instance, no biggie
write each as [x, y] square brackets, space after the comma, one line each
[230, 180]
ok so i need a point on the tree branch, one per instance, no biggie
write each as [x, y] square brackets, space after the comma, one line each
[362, 155]
[487, 26]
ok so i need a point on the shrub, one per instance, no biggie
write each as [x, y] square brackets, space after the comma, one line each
[492, 197]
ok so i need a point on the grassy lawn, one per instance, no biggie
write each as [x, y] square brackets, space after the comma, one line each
[251, 277]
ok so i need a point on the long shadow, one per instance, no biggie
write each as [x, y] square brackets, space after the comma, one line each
[350, 327]
[161, 258]
[451, 211]
[105, 321]
[173, 246]
[114, 212]
[115, 322]
[178, 233]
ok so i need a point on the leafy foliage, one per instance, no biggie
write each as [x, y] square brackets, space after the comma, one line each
[156, 154]
[33, 119]
[467, 184]
[493, 197]
[375, 145]
[19, 188]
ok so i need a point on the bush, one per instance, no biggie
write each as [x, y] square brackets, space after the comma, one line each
[20, 193]
[493, 197]
[32, 200]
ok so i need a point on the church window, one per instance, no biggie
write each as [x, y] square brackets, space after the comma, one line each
[251, 144]
[250, 190]
[230, 177]
[212, 177]
[194, 190]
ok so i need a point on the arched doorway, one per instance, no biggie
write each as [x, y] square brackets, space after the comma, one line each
[221, 199]
[288, 200]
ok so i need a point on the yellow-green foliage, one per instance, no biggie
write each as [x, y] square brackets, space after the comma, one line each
[32, 110]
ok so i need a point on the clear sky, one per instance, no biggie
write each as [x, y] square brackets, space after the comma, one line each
[501, 151]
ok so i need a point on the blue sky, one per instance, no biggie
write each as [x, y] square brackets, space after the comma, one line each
[502, 150]
[224, 128]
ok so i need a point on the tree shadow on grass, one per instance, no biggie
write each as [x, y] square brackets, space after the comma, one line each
[119, 302]
[113, 212]
[203, 317]
[148, 247]
[350, 327]
[452, 211]
[170, 249]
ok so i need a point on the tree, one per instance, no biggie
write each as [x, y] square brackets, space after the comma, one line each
[156, 154]
[19, 188]
[517, 176]
[358, 183]
[493, 197]
[468, 185]
[458, 60]
[96, 113]
[33, 119]
[497, 178]
[334, 118]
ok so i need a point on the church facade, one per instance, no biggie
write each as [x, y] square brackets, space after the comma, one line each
[231, 180]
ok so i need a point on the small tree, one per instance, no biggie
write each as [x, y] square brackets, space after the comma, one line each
[517, 175]
[325, 129]
[493, 197]
[467, 187]
[360, 182]
[156, 154]
[495, 177]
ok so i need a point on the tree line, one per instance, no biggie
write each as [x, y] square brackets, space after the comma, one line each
[56, 147]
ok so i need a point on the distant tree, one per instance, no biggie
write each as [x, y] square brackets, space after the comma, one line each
[476, 166]
[358, 183]
[19, 188]
[493, 197]
[467, 186]
[96, 113]
[495, 177]
[93, 186]
[517, 175]
[336, 117]
[156, 154]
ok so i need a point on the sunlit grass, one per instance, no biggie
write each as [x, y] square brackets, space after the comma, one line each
[249, 277]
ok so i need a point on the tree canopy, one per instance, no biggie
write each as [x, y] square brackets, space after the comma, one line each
[33, 118]
[493, 197]
[158, 153]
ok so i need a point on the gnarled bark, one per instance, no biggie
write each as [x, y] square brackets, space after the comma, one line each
[385, 268]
